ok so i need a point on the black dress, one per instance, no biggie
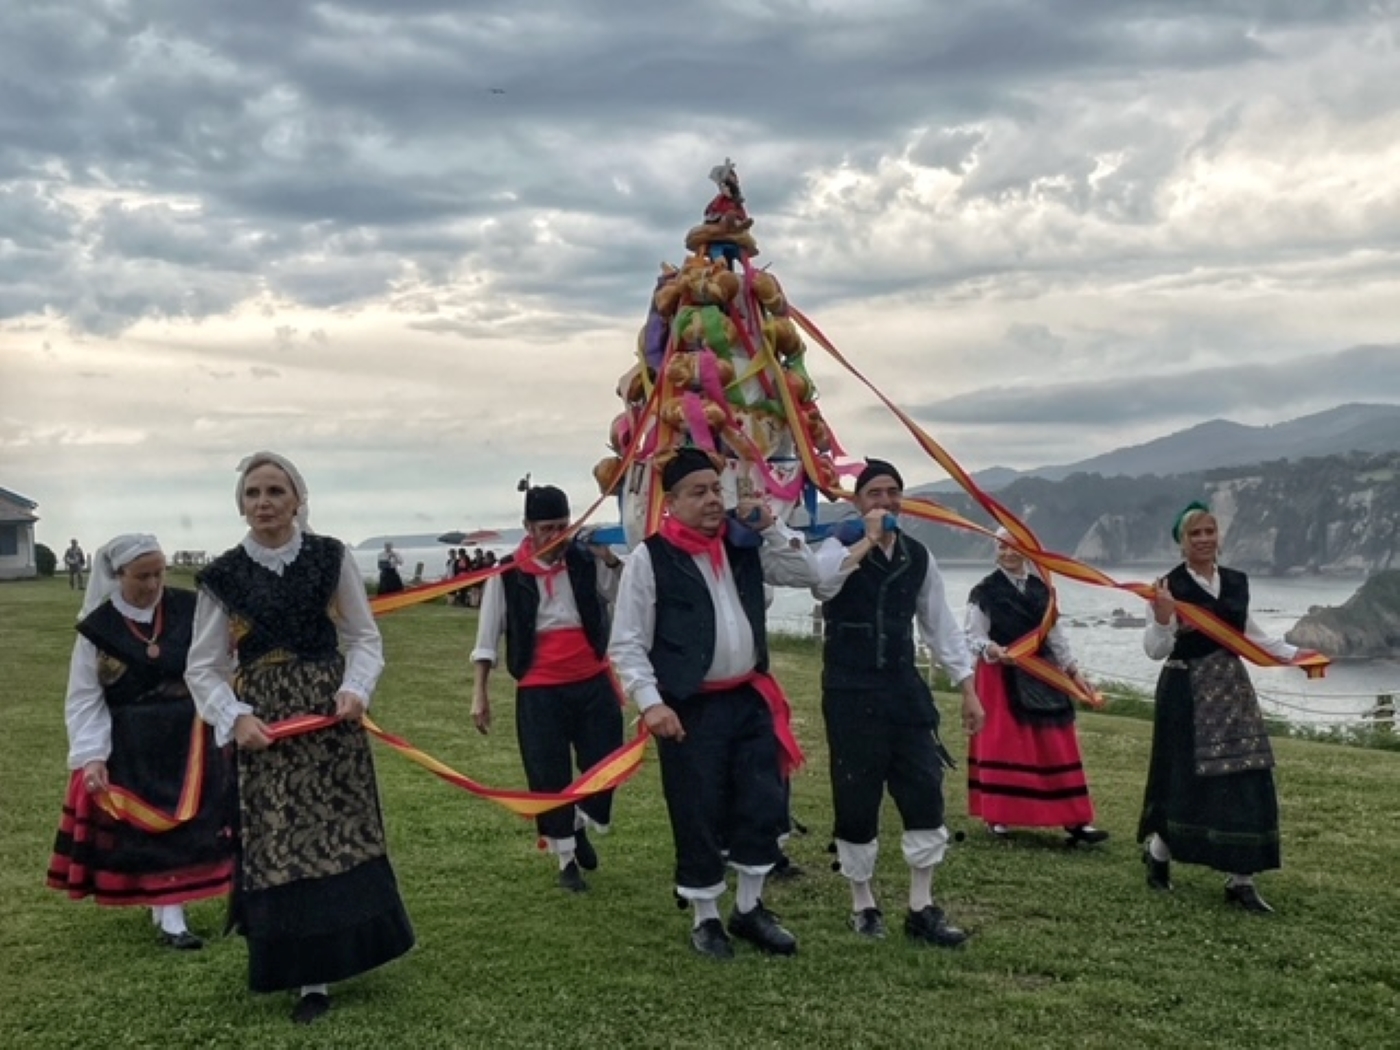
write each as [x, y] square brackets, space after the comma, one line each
[162, 756]
[316, 897]
[1225, 821]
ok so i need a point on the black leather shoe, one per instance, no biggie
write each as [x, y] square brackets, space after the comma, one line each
[786, 869]
[1244, 895]
[184, 941]
[1159, 873]
[584, 852]
[868, 922]
[310, 1007]
[929, 925]
[1086, 834]
[760, 928]
[570, 879]
[710, 940]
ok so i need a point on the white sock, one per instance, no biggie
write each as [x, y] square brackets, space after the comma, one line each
[705, 910]
[566, 857]
[1240, 880]
[315, 989]
[749, 891]
[1157, 848]
[920, 888]
[171, 918]
[862, 895]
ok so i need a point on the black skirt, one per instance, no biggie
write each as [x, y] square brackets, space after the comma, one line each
[1229, 823]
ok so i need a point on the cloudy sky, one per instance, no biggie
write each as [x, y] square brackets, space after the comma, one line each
[409, 242]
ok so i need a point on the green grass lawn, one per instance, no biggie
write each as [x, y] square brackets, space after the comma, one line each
[1069, 947]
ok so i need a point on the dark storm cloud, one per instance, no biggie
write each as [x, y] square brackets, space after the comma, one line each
[268, 132]
[1361, 373]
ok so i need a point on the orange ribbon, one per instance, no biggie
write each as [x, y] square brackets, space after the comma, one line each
[612, 771]
[119, 803]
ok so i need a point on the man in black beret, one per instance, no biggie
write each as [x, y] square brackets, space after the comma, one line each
[551, 605]
[881, 722]
[690, 645]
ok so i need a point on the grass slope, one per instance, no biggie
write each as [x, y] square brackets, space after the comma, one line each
[1070, 949]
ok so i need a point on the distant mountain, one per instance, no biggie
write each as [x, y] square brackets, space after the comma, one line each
[1222, 443]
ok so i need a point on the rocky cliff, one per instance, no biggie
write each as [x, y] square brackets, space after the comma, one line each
[1331, 514]
[1367, 625]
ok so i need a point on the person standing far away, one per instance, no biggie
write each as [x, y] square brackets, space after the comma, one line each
[75, 561]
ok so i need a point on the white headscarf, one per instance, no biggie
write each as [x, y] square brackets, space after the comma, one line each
[110, 559]
[257, 459]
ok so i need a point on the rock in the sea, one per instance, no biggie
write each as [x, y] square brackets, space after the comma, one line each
[1366, 625]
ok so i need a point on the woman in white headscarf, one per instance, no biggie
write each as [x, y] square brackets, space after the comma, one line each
[146, 818]
[283, 628]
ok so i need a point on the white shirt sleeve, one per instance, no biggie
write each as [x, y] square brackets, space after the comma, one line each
[1058, 643]
[359, 634]
[786, 558]
[209, 669]
[976, 628]
[634, 629]
[85, 709]
[609, 578]
[828, 558]
[939, 627]
[491, 623]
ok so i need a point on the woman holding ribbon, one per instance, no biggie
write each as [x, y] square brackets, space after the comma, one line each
[1210, 795]
[145, 821]
[1024, 769]
[283, 631]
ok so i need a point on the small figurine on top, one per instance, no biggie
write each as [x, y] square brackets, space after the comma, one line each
[724, 232]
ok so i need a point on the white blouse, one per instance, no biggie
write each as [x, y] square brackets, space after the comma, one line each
[213, 659]
[85, 707]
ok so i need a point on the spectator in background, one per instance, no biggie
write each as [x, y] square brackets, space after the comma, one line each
[75, 561]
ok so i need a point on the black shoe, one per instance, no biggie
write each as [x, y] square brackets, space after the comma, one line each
[1245, 896]
[311, 1006]
[786, 869]
[710, 940]
[1086, 834]
[184, 941]
[760, 928]
[1159, 873]
[868, 922]
[929, 925]
[584, 852]
[570, 879]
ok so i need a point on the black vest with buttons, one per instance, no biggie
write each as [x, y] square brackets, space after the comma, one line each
[869, 625]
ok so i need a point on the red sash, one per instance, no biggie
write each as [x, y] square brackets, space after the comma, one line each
[563, 657]
[790, 757]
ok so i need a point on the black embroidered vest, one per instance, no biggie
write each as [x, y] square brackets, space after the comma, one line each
[683, 645]
[281, 612]
[869, 625]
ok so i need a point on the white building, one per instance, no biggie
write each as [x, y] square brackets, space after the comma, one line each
[17, 520]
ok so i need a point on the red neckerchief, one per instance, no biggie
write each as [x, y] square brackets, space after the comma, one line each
[525, 561]
[693, 541]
